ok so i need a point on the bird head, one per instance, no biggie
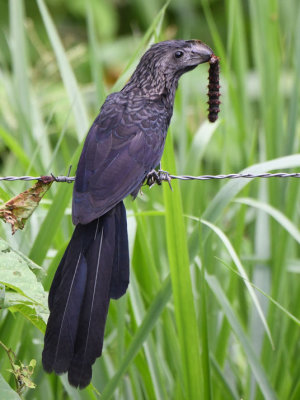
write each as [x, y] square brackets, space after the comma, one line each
[175, 57]
[163, 64]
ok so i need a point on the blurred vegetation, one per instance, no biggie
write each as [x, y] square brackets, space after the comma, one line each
[191, 325]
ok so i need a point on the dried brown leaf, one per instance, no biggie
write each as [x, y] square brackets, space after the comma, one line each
[17, 210]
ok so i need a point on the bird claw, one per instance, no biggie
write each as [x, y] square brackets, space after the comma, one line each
[153, 178]
[157, 177]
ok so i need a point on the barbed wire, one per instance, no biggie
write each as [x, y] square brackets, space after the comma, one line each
[161, 176]
[235, 176]
[44, 178]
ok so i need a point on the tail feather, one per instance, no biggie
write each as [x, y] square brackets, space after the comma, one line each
[120, 271]
[64, 316]
[89, 340]
[94, 268]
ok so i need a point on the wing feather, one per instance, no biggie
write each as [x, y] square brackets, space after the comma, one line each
[121, 148]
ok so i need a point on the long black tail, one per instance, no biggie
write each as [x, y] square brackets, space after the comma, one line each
[94, 269]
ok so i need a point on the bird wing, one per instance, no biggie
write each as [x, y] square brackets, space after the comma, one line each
[124, 143]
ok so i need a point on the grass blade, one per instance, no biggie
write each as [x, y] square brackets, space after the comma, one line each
[232, 188]
[143, 331]
[243, 273]
[256, 367]
[67, 74]
[181, 281]
[153, 30]
[276, 214]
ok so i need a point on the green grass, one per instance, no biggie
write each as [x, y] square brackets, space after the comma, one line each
[212, 311]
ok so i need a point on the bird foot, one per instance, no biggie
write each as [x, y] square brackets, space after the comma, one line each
[153, 178]
[157, 177]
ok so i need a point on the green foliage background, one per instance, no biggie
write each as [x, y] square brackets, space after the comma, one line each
[193, 324]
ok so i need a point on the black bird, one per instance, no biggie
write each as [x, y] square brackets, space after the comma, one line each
[124, 144]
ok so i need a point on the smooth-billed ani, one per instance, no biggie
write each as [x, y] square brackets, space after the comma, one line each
[123, 145]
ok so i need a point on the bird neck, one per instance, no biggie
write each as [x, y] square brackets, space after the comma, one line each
[152, 84]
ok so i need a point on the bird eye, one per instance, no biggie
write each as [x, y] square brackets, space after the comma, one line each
[178, 54]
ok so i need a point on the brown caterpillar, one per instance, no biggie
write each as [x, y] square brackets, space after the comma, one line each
[213, 89]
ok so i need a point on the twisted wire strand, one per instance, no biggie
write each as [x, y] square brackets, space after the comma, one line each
[163, 176]
[234, 176]
[45, 179]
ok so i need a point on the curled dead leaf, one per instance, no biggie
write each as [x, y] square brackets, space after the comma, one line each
[17, 210]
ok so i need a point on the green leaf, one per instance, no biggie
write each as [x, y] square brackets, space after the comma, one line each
[276, 214]
[16, 274]
[6, 392]
[243, 273]
[53, 220]
[51, 223]
[35, 314]
[142, 333]
[96, 67]
[19, 60]
[288, 314]
[2, 296]
[199, 144]
[149, 346]
[28, 383]
[15, 147]
[152, 32]
[67, 74]
[232, 188]
[3, 195]
[255, 365]
[181, 280]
